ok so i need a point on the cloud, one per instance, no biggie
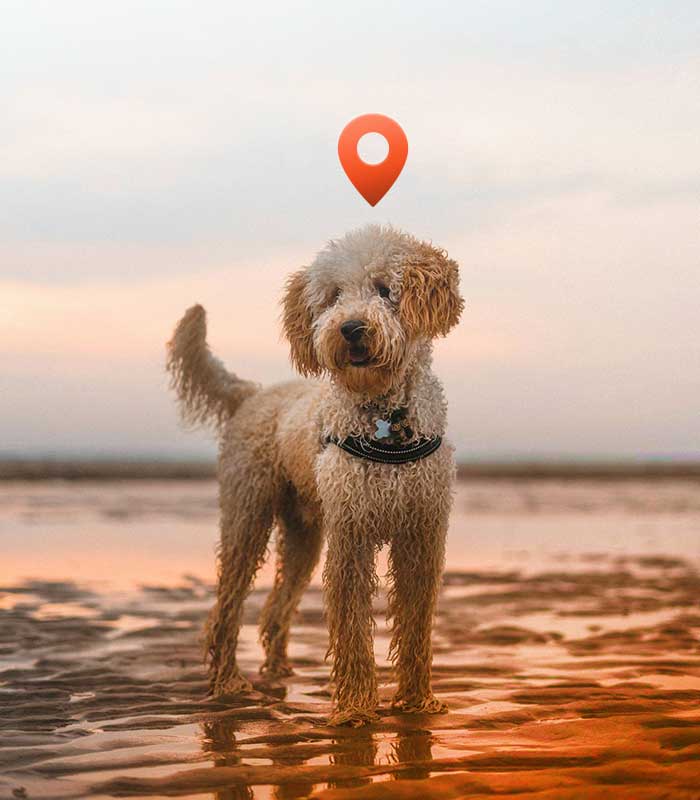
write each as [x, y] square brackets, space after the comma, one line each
[154, 157]
[174, 126]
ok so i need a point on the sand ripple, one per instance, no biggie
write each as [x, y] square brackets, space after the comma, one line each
[568, 683]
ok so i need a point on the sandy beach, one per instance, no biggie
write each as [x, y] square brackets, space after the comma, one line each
[567, 646]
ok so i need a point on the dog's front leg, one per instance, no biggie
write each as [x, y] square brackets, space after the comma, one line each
[415, 570]
[350, 583]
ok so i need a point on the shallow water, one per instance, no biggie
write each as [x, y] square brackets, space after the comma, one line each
[567, 645]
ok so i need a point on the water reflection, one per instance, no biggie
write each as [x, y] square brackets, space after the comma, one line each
[219, 739]
[411, 747]
[355, 757]
[359, 751]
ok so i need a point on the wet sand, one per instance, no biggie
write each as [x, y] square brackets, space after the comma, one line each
[567, 646]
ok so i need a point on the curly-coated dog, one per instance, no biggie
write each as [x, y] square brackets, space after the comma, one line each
[356, 460]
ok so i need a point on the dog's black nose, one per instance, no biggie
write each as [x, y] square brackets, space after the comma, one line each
[352, 329]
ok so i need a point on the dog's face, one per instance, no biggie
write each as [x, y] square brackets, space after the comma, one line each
[361, 308]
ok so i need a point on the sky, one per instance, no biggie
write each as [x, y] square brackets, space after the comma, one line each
[158, 154]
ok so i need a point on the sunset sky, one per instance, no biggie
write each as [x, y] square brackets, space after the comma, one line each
[163, 153]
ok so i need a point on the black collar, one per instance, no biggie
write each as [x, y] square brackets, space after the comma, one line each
[375, 450]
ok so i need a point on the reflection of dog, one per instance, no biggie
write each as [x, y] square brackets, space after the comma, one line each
[355, 459]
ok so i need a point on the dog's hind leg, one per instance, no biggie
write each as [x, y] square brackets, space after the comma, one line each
[247, 503]
[298, 550]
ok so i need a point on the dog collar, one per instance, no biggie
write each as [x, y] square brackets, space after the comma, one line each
[392, 443]
[372, 450]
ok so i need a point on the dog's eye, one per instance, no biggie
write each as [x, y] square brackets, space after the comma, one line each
[383, 290]
[335, 296]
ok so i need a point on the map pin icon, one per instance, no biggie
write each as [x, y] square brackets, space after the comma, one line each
[372, 181]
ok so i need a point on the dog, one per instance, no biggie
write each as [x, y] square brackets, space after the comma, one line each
[354, 456]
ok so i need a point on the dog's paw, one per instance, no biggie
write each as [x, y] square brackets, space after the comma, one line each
[276, 669]
[231, 685]
[419, 705]
[353, 719]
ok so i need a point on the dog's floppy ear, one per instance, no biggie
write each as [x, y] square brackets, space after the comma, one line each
[430, 300]
[298, 325]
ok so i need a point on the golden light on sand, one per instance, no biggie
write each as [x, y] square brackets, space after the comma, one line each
[565, 645]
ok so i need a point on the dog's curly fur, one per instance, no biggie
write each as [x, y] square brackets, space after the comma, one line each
[275, 467]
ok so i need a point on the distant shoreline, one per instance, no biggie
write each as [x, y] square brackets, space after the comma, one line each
[124, 469]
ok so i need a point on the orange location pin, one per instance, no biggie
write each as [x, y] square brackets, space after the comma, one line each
[372, 181]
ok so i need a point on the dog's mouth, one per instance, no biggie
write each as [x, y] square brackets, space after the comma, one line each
[358, 356]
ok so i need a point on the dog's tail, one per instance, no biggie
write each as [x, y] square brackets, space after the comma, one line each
[207, 391]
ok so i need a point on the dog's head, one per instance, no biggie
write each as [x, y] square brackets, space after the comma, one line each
[359, 311]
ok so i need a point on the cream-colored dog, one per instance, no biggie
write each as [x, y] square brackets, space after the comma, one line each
[357, 459]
